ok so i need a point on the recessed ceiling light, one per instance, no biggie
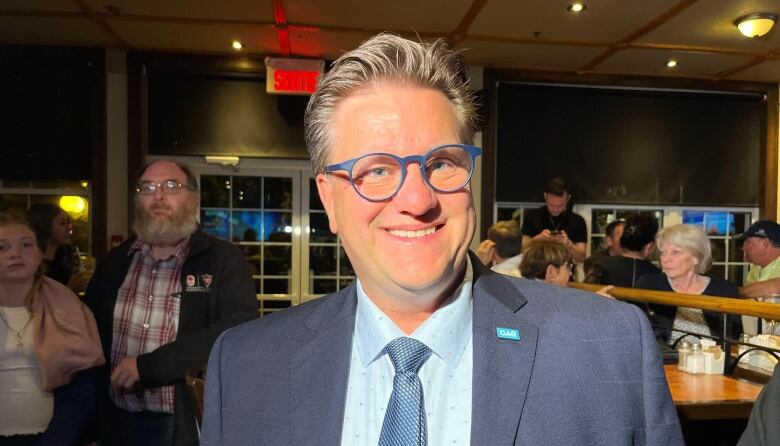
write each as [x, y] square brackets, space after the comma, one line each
[237, 45]
[756, 25]
[576, 7]
[671, 64]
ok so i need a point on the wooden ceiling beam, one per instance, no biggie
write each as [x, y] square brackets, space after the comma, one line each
[624, 43]
[773, 54]
[103, 20]
[752, 63]
[44, 14]
[120, 17]
[692, 48]
[102, 24]
[465, 23]
[534, 41]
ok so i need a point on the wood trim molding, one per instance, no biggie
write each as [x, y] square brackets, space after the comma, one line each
[770, 159]
[721, 304]
[99, 205]
[102, 24]
[457, 34]
[488, 189]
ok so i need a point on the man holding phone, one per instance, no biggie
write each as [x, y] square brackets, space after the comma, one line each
[554, 221]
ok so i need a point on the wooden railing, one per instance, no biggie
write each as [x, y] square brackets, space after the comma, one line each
[745, 307]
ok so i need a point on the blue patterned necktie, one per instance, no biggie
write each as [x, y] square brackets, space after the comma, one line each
[404, 423]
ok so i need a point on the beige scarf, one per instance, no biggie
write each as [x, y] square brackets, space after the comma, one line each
[64, 334]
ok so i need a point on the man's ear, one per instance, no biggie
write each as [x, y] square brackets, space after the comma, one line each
[647, 249]
[325, 189]
[550, 273]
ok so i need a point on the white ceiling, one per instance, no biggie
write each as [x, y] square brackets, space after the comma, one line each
[610, 36]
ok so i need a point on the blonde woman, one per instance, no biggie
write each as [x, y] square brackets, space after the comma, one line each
[48, 346]
[686, 255]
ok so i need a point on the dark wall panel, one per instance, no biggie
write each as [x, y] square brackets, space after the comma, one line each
[48, 114]
[629, 146]
[221, 115]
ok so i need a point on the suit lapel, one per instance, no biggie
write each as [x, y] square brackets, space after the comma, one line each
[502, 367]
[320, 371]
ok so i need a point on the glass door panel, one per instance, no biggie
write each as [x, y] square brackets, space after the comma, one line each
[256, 210]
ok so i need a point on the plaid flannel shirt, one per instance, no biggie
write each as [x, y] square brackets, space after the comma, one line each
[146, 316]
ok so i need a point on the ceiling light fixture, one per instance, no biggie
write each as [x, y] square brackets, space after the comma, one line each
[671, 64]
[237, 45]
[756, 25]
[576, 7]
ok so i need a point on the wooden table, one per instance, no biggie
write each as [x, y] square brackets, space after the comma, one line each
[710, 397]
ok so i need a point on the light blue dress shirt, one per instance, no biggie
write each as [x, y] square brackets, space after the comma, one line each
[446, 376]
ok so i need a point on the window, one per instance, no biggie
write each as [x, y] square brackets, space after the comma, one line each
[255, 213]
[271, 210]
[73, 196]
[329, 267]
[722, 225]
[513, 211]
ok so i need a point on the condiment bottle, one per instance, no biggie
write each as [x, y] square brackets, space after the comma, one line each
[683, 351]
[695, 361]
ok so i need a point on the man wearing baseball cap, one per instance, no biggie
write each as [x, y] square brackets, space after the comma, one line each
[761, 245]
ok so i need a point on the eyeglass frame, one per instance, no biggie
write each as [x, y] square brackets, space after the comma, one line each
[347, 166]
[182, 186]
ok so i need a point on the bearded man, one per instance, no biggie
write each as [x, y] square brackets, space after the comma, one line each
[160, 300]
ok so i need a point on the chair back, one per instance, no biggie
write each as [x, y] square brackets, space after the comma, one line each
[195, 384]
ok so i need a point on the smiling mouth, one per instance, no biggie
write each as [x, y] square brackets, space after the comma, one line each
[414, 234]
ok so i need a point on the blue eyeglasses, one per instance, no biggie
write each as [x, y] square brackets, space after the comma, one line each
[379, 176]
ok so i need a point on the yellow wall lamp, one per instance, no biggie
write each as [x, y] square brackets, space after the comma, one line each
[73, 204]
[757, 24]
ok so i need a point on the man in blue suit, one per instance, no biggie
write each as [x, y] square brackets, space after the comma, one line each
[427, 346]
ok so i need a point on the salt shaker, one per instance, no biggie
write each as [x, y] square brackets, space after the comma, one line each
[695, 361]
[683, 351]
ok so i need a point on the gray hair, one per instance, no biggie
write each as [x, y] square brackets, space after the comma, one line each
[690, 238]
[387, 57]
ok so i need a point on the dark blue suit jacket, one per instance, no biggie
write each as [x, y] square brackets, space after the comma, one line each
[585, 372]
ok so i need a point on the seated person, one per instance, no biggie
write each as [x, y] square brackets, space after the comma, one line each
[53, 230]
[550, 262]
[611, 247]
[761, 246]
[638, 243]
[686, 256]
[501, 250]
[48, 351]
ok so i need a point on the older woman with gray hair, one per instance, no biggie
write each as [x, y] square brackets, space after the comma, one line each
[686, 255]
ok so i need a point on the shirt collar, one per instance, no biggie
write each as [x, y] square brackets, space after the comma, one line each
[146, 249]
[446, 332]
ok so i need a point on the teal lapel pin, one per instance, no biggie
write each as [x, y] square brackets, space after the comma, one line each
[513, 334]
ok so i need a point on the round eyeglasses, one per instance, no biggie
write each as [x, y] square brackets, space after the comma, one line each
[379, 176]
[167, 187]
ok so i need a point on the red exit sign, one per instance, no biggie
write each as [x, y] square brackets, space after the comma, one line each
[289, 81]
[292, 76]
